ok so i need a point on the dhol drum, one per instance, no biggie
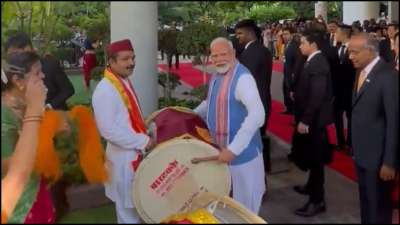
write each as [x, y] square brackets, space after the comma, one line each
[168, 183]
[173, 122]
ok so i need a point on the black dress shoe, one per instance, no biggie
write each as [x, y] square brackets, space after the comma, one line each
[311, 209]
[301, 190]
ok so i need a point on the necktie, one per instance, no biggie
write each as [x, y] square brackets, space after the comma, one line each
[361, 79]
[332, 39]
[341, 54]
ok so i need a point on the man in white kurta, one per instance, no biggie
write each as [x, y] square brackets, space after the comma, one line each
[234, 113]
[120, 127]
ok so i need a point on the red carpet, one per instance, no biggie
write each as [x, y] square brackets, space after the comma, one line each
[279, 125]
[194, 77]
[277, 66]
[187, 73]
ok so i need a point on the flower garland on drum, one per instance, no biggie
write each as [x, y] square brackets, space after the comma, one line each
[49, 160]
[199, 216]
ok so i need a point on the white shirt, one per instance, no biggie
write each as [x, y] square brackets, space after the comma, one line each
[312, 55]
[123, 143]
[371, 65]
[113, 120]
[346, 46]
[247, 45]
[334, 39]
[247, 93]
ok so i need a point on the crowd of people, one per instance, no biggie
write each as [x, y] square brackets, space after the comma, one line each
[272, 33]
[329, 69]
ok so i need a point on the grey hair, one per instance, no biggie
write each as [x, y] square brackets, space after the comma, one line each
[221, 39]
[372, 42]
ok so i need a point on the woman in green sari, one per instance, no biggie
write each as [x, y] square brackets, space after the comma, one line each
[34, 205]
[23, 158]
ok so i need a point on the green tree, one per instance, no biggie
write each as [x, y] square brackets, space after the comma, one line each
[50, 21]
[196, 38]
[271, 13]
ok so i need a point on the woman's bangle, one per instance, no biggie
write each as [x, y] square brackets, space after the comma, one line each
[33, 117]
[31, 120]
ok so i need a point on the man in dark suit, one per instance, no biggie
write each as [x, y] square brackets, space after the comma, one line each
[258, 59]
[332, 27]
[59, 86]
[375, 128]
[343, 81]
[385, 46]
[170, 45]
[291, 55]
[313, 112]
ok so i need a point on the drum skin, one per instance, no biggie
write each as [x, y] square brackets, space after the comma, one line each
[173, 122]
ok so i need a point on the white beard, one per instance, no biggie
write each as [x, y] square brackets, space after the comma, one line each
[222, 69]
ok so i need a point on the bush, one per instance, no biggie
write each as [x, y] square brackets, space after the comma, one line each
[272, 13]
[173, 80]
[162, 103]
[97, 73]
[62, 54]
[199, 92]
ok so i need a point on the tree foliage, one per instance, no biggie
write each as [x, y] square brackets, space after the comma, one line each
[272, 13]
[50, 21]
[228, 12]
[196, 38]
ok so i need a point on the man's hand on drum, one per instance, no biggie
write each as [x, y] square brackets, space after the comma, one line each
[150, 145]
[225, 156]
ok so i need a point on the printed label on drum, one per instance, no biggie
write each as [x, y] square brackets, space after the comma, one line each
[167, 179]
[188, 203]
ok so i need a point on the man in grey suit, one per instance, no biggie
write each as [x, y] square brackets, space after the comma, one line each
[375, 127]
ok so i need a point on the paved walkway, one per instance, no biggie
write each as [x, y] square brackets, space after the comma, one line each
[282, 201]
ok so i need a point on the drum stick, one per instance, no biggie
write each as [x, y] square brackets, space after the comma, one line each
[204, 159]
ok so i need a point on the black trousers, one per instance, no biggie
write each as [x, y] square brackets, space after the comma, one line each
[315, 183]
[286, 92]
[169, 58]
[339, 125]
[375, 197]
[266, 144]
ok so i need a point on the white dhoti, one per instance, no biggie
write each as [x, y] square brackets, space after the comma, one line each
[119, 187]
[127, 215]
[248, 183]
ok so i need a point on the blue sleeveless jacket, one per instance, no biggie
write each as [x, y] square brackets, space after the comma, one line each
[237, 112]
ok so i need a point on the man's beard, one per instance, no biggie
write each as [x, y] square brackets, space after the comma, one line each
[223, 69]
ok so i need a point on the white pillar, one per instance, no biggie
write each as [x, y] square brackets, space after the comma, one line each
[353, 11]
[137, 21]
[393, 9]
[321, 8]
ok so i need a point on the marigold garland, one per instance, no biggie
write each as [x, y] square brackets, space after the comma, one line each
[91, 154]
[47, 162]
